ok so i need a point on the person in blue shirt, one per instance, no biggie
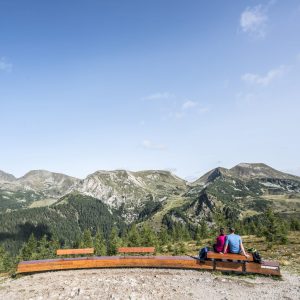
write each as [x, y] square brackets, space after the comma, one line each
[235, 244]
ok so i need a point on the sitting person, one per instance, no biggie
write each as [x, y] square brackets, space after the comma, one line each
[235, 244]
[220, 242]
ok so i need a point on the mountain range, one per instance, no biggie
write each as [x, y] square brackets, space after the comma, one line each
[131, 192]
[158, 198]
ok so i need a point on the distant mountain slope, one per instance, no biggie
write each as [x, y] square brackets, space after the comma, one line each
[6, 177]
[259, 170]
[210, 176]
[151, 195]
[241, 191]
[130, 191]
[37, 185]
[245, 171]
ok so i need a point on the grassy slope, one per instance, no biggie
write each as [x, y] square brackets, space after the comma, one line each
[287, 255]
[174, 201]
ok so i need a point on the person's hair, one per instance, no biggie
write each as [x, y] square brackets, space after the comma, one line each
[231, 229]
[222, 230]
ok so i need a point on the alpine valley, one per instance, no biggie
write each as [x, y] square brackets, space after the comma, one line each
[43, 202]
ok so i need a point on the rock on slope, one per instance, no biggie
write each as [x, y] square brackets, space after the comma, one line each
[130, 191]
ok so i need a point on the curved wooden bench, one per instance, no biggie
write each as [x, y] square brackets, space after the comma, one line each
[173, 262]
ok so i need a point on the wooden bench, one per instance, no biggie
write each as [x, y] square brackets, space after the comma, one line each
[75, 251]
[235, 260]
[147, 250]
[229, 256]
[175, 262]
[215, 262]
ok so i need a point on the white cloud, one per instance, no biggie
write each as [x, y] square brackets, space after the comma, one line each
[152, 146]
[189, 104]
[4, 65]
[159, 96]
[187, 108]
[253, 21]
[265, 80]
[245, 98]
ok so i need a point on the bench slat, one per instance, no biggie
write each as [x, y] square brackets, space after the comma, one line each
[75, 251]
[214, 255]
[136, 250]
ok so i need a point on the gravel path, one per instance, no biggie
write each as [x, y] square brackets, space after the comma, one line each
[147, 284]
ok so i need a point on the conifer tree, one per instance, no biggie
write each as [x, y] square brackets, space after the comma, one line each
[275, 230]
[163, 237]
[29, 249]
[87, 241]
[113, 242]
[148, 236]
[53, 246]
[185, 233]
[197, 236]
[43, 248]
[203, 229]
[5, 260]
[99, 244]
[174, 233]
[134, 238]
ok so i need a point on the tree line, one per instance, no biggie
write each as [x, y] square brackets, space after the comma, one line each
[168, 239]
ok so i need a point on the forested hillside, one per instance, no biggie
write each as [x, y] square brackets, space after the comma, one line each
[64, 221]
[159, 200]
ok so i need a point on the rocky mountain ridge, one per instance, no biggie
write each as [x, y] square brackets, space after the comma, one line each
[144, 193]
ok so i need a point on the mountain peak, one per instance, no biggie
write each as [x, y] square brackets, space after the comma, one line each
[34, 173]
[211, 176]
[44, 174]
[7, 177]
[259, 170]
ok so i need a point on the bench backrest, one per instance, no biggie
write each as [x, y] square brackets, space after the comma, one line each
[136, 249]
[75, 251]
[214, 255]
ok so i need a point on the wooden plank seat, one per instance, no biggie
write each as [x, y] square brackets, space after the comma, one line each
[172, 262]
[147, 250]
[75, 251]
[229, 256]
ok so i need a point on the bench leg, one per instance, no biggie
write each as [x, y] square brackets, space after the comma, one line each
[244, 267]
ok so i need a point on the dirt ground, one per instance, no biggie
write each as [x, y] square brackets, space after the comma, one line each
[147, 284]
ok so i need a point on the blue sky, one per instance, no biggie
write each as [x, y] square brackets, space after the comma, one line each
[163, 84]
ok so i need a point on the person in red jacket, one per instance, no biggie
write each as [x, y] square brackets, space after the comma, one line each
[220, 242]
